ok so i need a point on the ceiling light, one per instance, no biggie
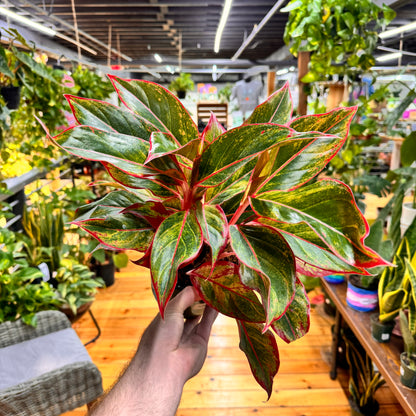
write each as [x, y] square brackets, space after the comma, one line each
[25, 21]
[221, 26]
[158, 58]
[389, 56]
[397, 30]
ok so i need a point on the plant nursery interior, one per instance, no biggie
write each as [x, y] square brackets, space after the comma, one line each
[262, 152]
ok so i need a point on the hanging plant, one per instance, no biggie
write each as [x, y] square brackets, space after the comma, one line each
[235, 213]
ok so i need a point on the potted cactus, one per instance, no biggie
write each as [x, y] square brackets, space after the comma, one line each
[237, 214]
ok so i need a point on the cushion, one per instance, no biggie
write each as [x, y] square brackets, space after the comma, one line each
[30, 359]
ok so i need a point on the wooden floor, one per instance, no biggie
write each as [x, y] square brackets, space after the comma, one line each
[225, 386]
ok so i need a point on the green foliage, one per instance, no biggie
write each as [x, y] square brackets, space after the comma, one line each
[364, 380]
[408, 336]
[235, 213]
[341, 35]
[182, 83]
[91, 85]
[76, 284]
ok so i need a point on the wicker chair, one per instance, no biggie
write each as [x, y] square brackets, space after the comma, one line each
[45, 371]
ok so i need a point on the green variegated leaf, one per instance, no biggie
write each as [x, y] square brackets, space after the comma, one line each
[276, 109]
[390, 304]
[105, 116]
[335, 122]
[222, 289]
[213, 129]
[117, 230]
[261, 352]
[236, 184]
[159, 185]
[127, 153]
[233, 149]
[328, 208]
[4, 67]
[410, 275]
[115, 199]
[300, 160]
[214, 227]
[264, 250]
[158, 106]
[177, 240]
[294, 324]
[311, 259]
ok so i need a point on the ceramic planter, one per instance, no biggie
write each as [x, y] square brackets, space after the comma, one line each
[408, 215]
[381, 331]
[334, 278]
[360, 299]
[407, 373]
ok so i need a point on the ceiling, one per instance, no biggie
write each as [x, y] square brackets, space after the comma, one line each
[182, 32]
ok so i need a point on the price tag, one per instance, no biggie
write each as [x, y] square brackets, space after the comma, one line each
[43, 267]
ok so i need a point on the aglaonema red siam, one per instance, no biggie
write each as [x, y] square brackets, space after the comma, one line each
[237, 213]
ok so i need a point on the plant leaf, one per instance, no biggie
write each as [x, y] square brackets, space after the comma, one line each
[264, 250]
[336, 122]
[276, 109]
[300, 160]
[153, 212]
[222, 289]
[295, 323]
[4, 67]
[311, 259]
[158, 106]
[105, 116]
[236, 147]
[213, 129]
[262, 353]
[126, 152]
[117, 230]
[328, 208]
[177, 240]
[214, 227]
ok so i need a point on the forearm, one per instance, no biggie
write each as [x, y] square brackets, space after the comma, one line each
[138, 392]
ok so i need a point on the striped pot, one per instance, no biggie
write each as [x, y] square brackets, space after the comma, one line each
[363, 300]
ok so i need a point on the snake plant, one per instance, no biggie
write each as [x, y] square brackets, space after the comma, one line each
[235, 213]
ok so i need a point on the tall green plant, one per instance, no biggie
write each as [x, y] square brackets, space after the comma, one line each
[235, 213]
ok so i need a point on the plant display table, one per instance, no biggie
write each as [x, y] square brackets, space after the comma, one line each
[385, 356]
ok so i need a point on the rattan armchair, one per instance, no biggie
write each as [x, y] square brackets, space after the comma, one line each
[45, 371]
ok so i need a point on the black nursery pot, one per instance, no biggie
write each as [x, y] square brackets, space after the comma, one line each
[181, 94]
[106, 271]
[11, 96]
[381, 331]
[370, 409]
[407, 374]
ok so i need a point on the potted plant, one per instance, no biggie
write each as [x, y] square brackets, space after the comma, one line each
[364, 380]
[393, 294]
[340, 35]
[76, 288]
[235, 213]
[408, 356]
[182, 84]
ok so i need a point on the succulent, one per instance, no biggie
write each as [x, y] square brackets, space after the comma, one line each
[235, 213]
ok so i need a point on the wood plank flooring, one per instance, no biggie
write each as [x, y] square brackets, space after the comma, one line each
[225, 386]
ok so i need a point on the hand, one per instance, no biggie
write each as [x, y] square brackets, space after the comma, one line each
[170, 352]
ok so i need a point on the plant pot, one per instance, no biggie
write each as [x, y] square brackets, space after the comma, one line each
[80, 311]
[11, 96]
[106, 271]
[408, 215]
[181, 94]
[370, 409]
[360, 299]
[381, 331]
[407, 373]
[335, 278]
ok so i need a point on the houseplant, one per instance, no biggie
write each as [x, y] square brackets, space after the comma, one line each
[364, 380]
[408, 356]
[233, 213]
[182, 84]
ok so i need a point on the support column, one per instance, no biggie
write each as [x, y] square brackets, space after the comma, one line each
[303, 60]
[271, 82]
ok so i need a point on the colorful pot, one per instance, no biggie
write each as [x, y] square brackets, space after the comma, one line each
[334, 278]
[407, 374]
[381, 331]
[362, 300]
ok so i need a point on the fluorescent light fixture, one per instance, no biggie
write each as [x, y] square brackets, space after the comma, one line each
[401, 29]
[25, 21]
[158, 58]
[221, 26]
[389, 57]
